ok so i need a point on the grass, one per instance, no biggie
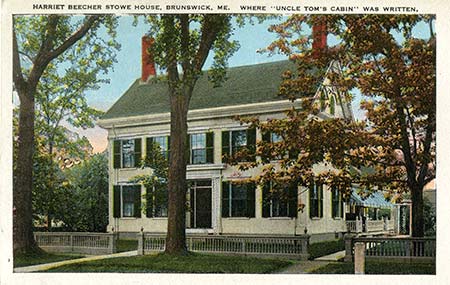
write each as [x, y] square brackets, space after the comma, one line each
[126, 245]
[41, 257]
[190, 263]
[378, 267]
[324, 248]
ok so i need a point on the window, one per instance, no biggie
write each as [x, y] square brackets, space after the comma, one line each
[127, 153]
[157, 201]
[234, 141]
[127, 201]
[337, 203]
[201, 148]
[163, 142]
[279, 203]
[270, 137]
[316, 200]
[238, 200]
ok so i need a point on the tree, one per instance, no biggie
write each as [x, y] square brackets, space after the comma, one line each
[181, 47]
[393, 149]
[87, 208]
[60, 98]
[37, 42]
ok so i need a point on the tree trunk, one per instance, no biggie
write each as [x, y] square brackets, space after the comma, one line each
[417, 211]
[23, 229]
[176, 228]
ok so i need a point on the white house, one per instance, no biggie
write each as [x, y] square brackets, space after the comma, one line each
[216, 206]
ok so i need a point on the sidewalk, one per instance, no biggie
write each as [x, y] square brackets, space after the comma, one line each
[332, 257]
[46, 266]
[304, 267]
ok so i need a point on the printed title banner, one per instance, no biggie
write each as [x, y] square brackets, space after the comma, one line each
[237, 7]
[203, 8]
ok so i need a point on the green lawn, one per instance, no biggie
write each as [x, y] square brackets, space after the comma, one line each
[324, 248]
[191, 263]
[373, 267]
[40, 257]
[126, 245]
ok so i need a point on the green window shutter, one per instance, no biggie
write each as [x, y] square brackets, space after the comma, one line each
[266, 200]
[188, 149]
[225, 199]
[149, 202]
[341, 203]
[137, 201]
[251, 200]
[251, 141]
[311, 200]
[137, 152]
[293, 201]
[116, 201]
[210, 147]
[149, 150]
[266, 137]
[332, 105]
[320, 189]
[225, 143]
[116, 155]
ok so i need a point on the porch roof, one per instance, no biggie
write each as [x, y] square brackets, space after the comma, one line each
[374, 200]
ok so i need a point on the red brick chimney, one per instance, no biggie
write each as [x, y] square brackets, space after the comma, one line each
[148, 65]
[319, 34]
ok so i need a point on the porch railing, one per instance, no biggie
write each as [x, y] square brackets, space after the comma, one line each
[79, 242]
[375, 226]
[356, 226]
[285, 246]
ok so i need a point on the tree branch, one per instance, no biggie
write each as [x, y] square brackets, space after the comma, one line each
[211, 26]
[87, 25]
[185, 42]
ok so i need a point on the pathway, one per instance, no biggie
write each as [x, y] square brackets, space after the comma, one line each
[304, 267]
[46, 266]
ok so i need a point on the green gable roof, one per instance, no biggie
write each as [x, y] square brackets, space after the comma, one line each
[244, 85]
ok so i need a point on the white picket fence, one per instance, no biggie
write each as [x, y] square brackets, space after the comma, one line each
[76, 242]
[282, 246]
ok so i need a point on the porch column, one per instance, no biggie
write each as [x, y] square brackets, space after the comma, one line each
[216, 220]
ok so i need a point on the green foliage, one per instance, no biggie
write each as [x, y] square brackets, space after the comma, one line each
[87, 208]
[50, 189]
[189, 263]
[324, 248]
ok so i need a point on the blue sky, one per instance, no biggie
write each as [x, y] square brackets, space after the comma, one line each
[128, 66]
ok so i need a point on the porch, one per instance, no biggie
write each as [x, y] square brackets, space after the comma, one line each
[370, 213]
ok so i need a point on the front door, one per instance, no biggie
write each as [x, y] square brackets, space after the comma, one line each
[200, 204]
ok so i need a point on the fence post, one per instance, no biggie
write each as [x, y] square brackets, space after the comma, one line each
[140, 250]
[348, 240]
[71, 242]
[112, 243]
[305, 247]
[360, 252]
